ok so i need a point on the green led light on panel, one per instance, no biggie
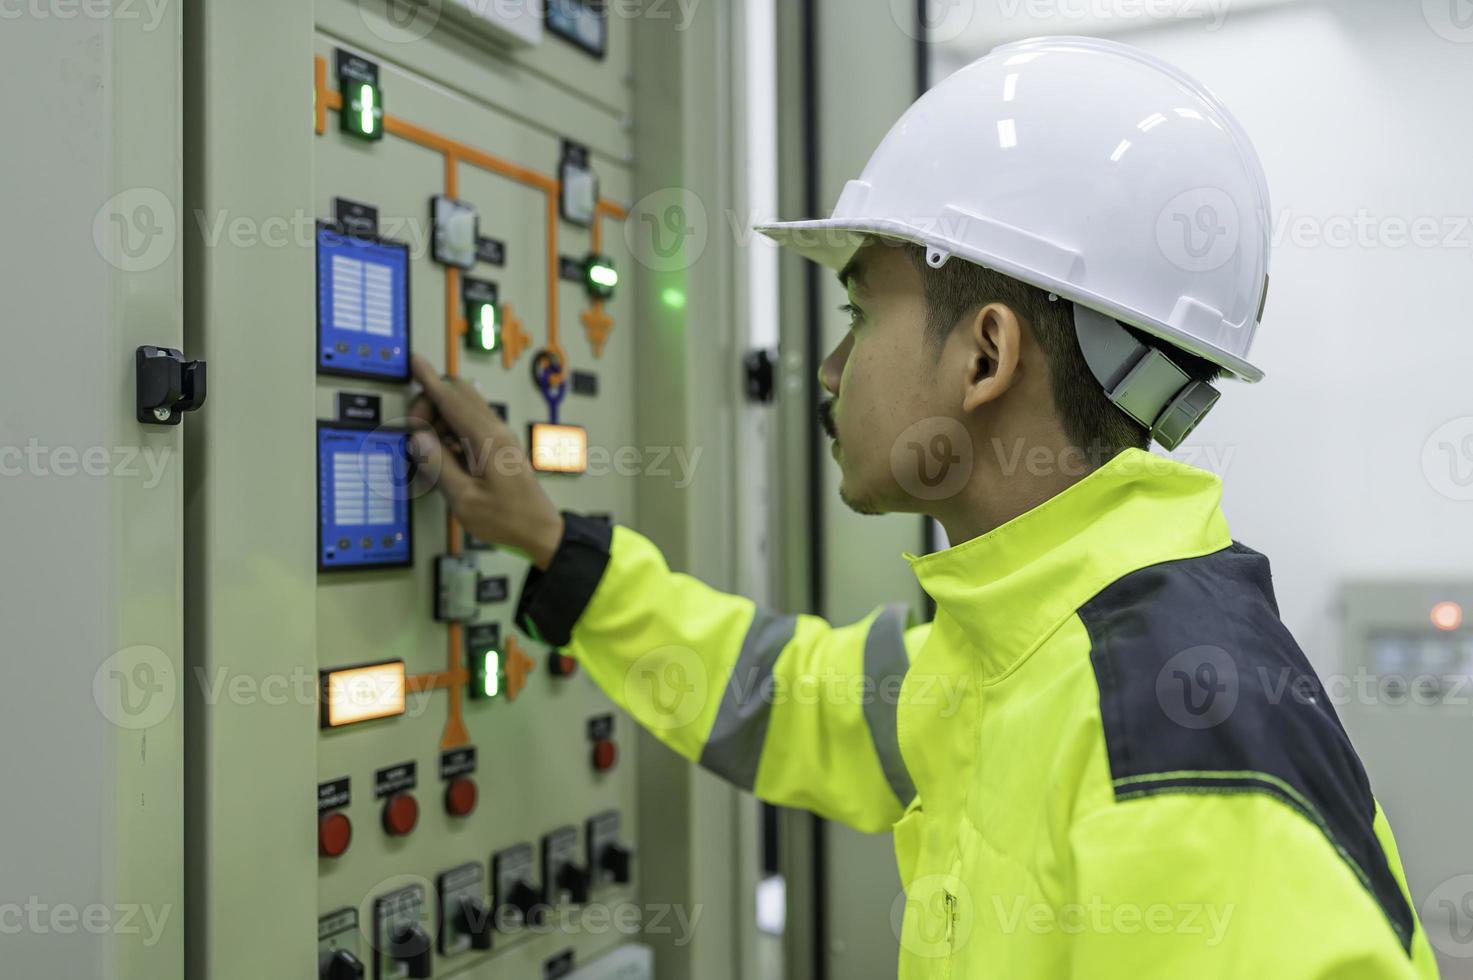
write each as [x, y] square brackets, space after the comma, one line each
[602, 276]
[482, 315]
[363, 113]
[486, 675]
[483, 327]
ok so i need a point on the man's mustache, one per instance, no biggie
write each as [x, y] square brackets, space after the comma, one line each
[826, 418]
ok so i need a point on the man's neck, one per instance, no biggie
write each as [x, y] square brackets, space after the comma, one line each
[996, 494]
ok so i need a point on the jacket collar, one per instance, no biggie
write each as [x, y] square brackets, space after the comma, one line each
[1009, 589]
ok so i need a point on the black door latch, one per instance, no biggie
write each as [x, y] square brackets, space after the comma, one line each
[168, 385]
[760, 370]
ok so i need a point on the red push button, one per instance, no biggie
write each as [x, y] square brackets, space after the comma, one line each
[401, 813]
[334, 834]
[561, 665]
[460, 797]
[605, 754]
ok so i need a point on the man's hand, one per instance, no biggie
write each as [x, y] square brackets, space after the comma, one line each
[477, 463]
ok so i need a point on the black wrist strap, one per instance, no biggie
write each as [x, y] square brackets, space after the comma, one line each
[552, 601]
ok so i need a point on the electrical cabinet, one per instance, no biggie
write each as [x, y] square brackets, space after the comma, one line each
[440, 233]
[462, 194]
[278, 718]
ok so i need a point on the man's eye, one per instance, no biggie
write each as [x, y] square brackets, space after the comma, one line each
[855, 314]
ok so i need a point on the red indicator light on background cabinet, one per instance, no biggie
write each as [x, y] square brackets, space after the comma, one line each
[605, 754]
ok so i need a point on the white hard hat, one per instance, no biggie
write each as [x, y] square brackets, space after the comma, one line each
[1093, 170]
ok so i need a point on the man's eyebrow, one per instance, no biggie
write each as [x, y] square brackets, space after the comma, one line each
[852, 273]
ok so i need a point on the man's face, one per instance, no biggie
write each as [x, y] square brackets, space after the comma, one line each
[883, 377]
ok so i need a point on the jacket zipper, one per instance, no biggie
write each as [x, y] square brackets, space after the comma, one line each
[950, 902]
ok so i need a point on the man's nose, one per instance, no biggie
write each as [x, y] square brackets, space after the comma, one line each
[832, 368]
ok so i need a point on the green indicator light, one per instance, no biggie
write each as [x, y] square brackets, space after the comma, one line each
[673, 298]
[365, 114]
[491, 683]
[487, 683]
[363, 110]
[484, 327]
[488, 327]
[602, 276]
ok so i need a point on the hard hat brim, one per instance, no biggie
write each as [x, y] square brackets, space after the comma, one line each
[829, 243]
[832, 242]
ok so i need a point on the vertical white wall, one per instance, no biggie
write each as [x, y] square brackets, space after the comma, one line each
[1353, 109]
[1365, 341]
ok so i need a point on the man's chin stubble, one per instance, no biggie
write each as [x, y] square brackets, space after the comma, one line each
[859, 505]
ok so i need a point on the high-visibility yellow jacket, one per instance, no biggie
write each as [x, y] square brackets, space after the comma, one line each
[1106, 757]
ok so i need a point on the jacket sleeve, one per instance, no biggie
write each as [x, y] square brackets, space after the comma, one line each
[788, 707]
[1218, 885]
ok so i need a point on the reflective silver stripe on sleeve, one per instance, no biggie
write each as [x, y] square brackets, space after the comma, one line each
[885, 664]
[734, 747]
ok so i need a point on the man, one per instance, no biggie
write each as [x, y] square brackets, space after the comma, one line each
[1106, 756]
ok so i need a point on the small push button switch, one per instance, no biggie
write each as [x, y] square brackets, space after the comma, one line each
[334, 834]
[401, 813]
[460, 797]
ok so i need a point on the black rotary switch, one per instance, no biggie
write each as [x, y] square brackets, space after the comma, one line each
[615, 860]
[410, 945]
[573, 880]
[473, 919]
[528, 901]
[339, 965]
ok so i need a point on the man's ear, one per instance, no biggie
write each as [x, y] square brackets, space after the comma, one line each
[993, 338]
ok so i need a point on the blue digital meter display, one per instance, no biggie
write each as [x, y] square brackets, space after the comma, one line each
[362, 306]
[363, 494]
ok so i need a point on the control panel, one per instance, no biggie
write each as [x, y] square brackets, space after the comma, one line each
[470, 189]
[1409, 646]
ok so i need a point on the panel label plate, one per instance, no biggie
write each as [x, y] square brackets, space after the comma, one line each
[333, 794]
[458, 762]
[355, 406]
[395, 779]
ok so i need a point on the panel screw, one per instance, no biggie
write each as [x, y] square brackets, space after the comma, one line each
[161, 413]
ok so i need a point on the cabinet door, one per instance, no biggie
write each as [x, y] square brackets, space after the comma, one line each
[90, 498]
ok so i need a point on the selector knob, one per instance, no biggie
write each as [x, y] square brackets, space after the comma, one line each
[339, 965]
[401, 813]
[473, 919]
[573, 880]
[411, 946]
[528, 901]
[615, 860]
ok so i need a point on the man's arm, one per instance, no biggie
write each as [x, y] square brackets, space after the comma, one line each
[795, 710]
[789, 707]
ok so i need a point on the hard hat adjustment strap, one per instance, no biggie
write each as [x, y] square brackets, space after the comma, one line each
[1140, 380]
